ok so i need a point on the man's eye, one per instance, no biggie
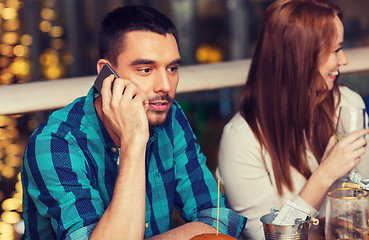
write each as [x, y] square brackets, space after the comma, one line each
[145, 70]
[173, 69]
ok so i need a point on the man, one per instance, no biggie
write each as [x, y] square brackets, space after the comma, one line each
[113, 166]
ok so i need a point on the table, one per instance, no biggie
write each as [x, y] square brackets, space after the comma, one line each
[317, 232]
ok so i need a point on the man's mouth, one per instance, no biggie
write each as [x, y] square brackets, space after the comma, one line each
[158, 106]
[160, 103]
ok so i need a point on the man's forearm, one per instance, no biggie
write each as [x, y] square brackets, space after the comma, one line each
[186, 231]
[125, 215]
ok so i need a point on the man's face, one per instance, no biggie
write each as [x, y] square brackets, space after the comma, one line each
[151, 61]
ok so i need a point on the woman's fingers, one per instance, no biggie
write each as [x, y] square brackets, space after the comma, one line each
[341, 157]
[355, 135]
[353, 141]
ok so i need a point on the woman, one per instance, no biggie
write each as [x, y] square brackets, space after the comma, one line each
[281, 144]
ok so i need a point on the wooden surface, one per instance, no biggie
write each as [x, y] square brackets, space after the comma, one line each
[317, 232]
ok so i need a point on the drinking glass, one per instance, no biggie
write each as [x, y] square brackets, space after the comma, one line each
[347, 214]
[350, 119]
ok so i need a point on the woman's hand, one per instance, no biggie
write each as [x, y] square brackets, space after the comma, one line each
[341, 157]
[338, 159]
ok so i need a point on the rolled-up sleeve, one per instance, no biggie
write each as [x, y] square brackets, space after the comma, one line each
[57, 191]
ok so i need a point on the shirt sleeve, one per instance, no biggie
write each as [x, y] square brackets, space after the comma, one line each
[197, 190]
[58, 192]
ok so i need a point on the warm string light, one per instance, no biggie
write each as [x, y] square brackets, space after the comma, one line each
[208, 54]
[14, 52]
[14, 68]
[53, 60]
[10, 161]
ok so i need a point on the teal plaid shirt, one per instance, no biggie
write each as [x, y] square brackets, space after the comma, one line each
[70, 167]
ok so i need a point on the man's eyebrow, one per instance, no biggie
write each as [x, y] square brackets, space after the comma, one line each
[176, 62]
[142, 61]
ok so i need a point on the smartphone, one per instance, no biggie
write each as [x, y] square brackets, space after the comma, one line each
[105, 72]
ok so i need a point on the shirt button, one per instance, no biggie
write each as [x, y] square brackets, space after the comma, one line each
[147, 225]
[113, 149]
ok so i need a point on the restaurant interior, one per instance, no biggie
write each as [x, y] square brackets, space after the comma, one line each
[52, 40]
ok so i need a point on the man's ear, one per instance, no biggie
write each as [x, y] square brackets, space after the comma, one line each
[101, 63]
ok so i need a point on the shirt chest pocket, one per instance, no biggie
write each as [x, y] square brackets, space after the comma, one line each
[165, 187]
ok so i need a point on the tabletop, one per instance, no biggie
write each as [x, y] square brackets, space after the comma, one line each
[317, 232]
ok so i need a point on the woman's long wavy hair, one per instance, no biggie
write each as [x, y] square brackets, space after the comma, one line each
[285, 100]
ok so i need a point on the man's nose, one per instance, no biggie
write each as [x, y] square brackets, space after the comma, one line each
[162, 82]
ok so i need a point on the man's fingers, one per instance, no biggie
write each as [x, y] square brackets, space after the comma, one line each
[106, 86]
[141, 97]
[106, 92]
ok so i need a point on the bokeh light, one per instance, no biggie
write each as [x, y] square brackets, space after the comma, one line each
[45, 26]
[4, 62]
[21, 51]
[15, 4]
[208, 54]
[56, 31]
[13, 149]
[54, 71]
[10, 38]
[10, 217]
[20, 66]
[11, 25]
[68, 59]
[10, 204]
[7, 171]
[9, 13]
[26, 39]
[5, 79]
[6, 50]
[5, 227]
[47, 14]
[13, 161]
[49, 57]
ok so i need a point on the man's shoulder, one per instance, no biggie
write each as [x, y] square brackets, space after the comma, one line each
[67, 119]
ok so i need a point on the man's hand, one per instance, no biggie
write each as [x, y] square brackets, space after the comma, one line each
[125, 110]
[125, 107]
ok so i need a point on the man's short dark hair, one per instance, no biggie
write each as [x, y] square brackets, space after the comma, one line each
[126, 19]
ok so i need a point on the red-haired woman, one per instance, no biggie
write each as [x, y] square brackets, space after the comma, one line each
[281, 144]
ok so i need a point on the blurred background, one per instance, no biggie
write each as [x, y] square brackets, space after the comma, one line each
[45, 40]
